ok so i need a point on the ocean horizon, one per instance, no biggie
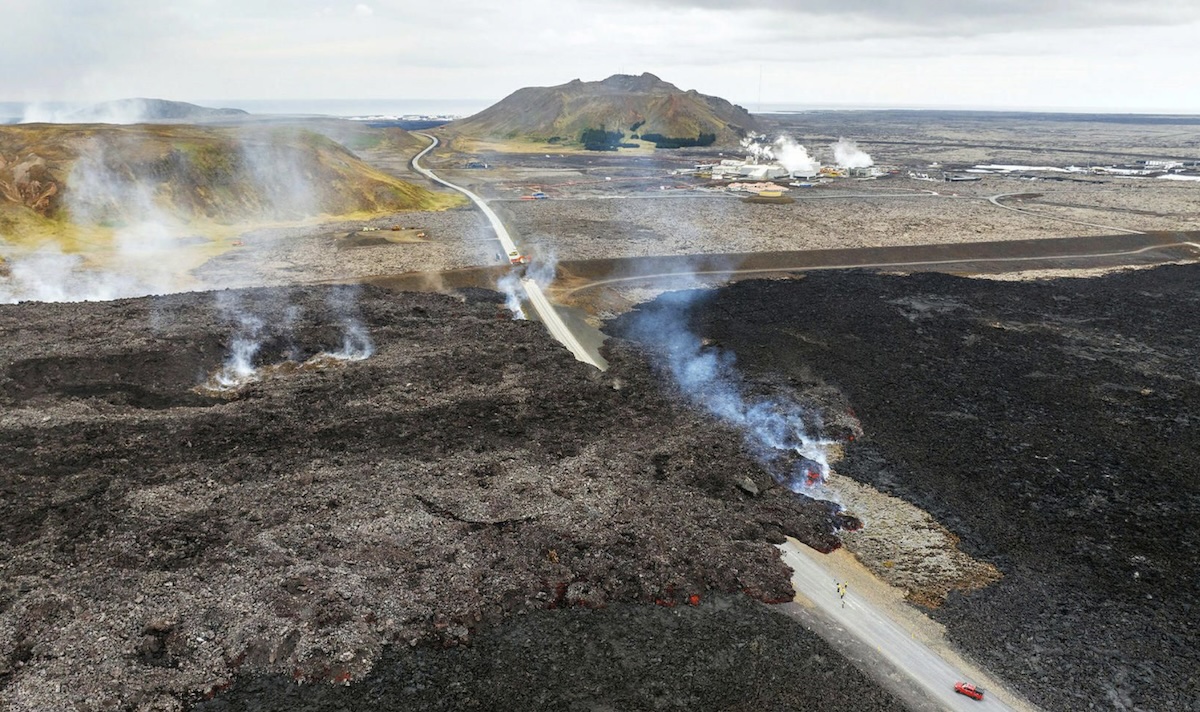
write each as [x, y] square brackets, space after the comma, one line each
[12, 111]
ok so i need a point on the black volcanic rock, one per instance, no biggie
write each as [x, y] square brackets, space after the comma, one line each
[1054, 426]
[468, 473]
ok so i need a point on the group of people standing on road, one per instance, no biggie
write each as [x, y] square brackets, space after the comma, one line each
[841, 589]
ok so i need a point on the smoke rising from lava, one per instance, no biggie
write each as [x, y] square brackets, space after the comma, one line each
[270, 333]
[356, 342]
[777, 430]
[543, 268]
[510, 286]
[244, 346]
[148, 253]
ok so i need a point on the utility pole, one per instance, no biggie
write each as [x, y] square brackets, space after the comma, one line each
[760, 78]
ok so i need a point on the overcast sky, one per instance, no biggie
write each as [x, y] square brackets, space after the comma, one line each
[1140, 55]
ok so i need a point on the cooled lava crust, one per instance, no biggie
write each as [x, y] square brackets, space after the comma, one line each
[157, 541]
[1054, 426]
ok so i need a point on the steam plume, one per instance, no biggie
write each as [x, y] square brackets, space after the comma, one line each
[132, 111]
[847, 154]
[543, 268]
[795, 158]
[144, 259]
[757, 149]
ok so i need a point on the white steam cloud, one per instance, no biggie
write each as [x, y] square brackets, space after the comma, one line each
[795, 158]
[792, 156]
[847, 154]
[125, 112]
[144, 258]
[48, 275]
[757, 149]
[148, 252]
[543, 268]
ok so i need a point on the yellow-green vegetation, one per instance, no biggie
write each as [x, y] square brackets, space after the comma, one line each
[555, 118]
[78, 185]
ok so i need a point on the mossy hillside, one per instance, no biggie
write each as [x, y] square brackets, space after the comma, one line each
[222, 175]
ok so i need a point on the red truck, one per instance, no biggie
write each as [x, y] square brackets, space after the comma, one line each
[969, 689]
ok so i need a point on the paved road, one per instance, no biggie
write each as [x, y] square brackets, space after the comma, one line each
[995, 200]
[1022, 254]
[537, 298]
[906, 665]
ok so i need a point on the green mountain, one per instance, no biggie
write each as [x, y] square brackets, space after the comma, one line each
[631, 105]
[107, 174]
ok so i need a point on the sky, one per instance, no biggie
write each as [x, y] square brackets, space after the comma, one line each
[1134, 55]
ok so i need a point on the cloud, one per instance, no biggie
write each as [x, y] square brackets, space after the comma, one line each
[919, 50]
[871, 18]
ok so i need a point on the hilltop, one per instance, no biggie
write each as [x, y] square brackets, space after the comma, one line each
[628, 108]
[131, 111]
[100, 175]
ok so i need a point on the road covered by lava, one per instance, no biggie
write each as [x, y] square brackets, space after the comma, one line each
[1050, 425]
[203, 488]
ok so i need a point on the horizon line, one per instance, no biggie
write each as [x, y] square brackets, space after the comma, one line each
[765, 107]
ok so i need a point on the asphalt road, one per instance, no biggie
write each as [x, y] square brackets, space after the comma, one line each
[892, 654]
[995, 200]
[978, 257]
[546, 312]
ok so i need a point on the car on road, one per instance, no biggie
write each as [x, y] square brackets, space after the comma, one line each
[969, 689]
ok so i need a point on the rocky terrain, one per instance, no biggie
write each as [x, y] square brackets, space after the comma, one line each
[727, 653]
[470, 519]
[171, 523]
[1051, 426]
[962, 138]
[455, 238]
[590, 229]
